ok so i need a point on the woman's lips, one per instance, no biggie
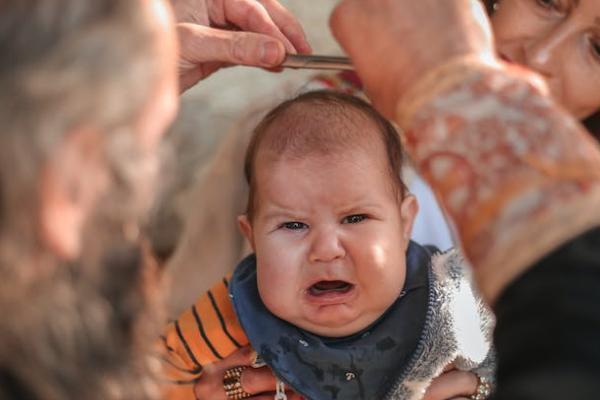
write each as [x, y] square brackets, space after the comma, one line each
[505, 58]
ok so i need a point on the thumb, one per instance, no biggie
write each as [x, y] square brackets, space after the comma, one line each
[244, 356]
[201, 44]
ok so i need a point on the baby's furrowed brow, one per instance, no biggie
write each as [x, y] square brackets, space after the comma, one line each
[362, 208]
[277, 213]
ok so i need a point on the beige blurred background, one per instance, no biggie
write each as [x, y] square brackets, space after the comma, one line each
[209, 109]
[191, 211]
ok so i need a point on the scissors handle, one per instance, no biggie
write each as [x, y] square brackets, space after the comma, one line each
[317, 62]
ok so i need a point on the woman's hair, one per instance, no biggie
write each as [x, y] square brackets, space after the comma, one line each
[489, 5]
[592, 123]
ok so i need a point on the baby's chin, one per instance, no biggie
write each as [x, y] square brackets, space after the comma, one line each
[336, 323]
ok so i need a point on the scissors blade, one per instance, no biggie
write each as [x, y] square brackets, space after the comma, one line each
[302, 61]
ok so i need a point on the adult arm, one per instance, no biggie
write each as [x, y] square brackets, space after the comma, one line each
[217, 33]
[518, 177]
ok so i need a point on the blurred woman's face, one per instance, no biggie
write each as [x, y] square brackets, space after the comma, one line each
[560, 39]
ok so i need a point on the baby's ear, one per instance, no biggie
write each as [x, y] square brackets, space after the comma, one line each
[246, 229]
[408, 212]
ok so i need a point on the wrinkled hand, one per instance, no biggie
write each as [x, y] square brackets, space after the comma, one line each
[452, 384]
[258, 381]
[217, 33]
[394, 42]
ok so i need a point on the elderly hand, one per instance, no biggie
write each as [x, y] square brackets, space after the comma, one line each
[394, 42]
[452, 384]
[218, 33]
[261, 382]
[258, 381]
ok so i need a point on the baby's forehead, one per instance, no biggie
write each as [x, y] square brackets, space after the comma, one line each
[323, 112]
[313, 128]
[319, 132]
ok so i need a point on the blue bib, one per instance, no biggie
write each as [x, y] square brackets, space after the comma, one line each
[364, 365]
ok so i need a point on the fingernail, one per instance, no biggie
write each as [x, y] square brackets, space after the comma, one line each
[270, 53]
[306, 49]
[298, 37]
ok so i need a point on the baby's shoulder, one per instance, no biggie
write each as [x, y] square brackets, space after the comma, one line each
[458, 313]
[450, 268]
[455, 292]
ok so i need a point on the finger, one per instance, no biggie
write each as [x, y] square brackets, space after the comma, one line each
[452, 384]
[288, 24]
[344, 22]
[194, 11]
[294, 396]
[210, 384]
[269, 396]
[338, 20]
[449, 367]
[244, 356]
[258, 380]
[188, 78]
[251, 16]
[201, 44]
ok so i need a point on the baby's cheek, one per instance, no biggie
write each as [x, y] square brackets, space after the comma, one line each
[385, 280]
[275, 286]
[270, 279]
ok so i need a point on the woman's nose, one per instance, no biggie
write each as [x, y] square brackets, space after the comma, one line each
[542, 53]
[326, 246]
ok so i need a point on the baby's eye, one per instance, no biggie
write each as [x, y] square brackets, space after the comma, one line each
[294, 225]
[354, 219]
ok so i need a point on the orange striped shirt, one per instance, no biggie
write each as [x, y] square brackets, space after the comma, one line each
[207, 332]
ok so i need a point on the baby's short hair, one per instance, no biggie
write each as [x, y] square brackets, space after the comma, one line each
[304, 128]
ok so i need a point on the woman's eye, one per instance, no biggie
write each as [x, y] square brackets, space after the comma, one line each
[552, 5]
[546, 3]
[294, 225]
[355, 219]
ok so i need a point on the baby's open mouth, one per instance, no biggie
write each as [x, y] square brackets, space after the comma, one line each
[325, 287]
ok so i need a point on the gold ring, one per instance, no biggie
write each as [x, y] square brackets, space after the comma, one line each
[484, 389]
[233, 385]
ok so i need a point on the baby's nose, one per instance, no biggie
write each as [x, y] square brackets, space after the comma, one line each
[326, 246]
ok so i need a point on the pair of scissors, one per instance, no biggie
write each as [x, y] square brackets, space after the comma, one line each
[302, 61]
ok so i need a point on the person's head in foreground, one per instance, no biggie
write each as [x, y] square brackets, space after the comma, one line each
[560, 40]
[328, 216]
[88, 87]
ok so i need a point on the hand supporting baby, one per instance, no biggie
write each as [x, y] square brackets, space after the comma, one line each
[260, 382]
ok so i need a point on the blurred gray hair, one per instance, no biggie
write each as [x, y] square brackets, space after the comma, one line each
[65, 64]
[73, 331]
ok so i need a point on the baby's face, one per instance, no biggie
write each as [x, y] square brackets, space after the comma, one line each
[330, 236]
[560, 39]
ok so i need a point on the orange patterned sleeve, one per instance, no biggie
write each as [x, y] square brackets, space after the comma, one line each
[205, 333]
[514, 172]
